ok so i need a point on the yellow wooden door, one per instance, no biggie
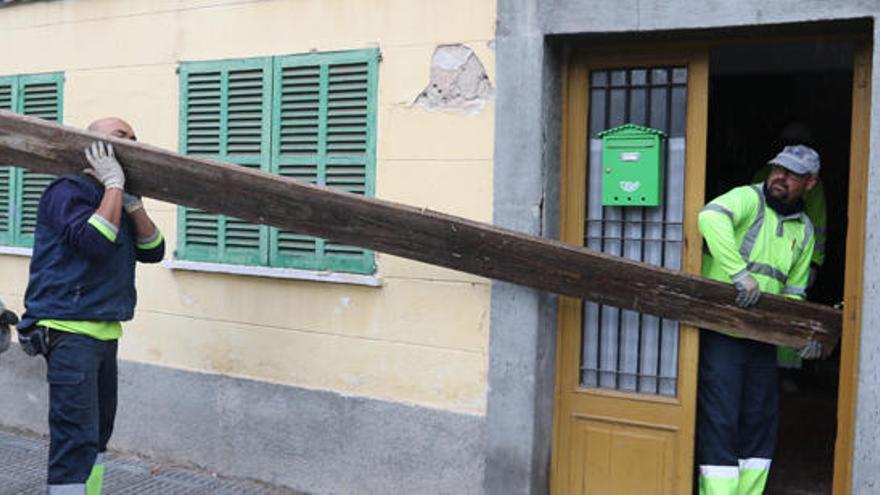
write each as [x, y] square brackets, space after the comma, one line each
[626, 382]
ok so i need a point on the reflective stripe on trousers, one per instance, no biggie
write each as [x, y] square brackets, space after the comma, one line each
[748, 478]
[737, 414]
[753, 475]
[73, 489]
[719, 480]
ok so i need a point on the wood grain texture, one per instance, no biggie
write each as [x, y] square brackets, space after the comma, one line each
[854, 271]
[421, 235]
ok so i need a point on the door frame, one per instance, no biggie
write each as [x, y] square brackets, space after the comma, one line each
[573, 157]
[573, 176]
[857, 204]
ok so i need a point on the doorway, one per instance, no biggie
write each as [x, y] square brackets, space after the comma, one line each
[620, 439]
[762, 96]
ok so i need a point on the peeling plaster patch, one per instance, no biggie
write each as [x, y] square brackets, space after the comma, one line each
[458, 81]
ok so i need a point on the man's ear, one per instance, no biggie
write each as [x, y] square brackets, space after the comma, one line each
[811, 183]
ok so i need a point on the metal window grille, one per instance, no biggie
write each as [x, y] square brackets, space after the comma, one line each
[626, 350]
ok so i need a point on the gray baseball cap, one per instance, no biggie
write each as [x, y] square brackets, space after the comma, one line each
[798, 158]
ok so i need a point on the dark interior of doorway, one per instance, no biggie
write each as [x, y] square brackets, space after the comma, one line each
[754, 91]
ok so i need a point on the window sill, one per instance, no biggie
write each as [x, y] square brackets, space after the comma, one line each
[16, 251]
[282, 273]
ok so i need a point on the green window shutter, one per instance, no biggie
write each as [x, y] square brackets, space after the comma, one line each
[7, 173]
[38, 96]
[296, 146]
[324, 132]
[225, 115]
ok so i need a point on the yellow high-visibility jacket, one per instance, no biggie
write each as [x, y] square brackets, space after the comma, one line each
[744, 234]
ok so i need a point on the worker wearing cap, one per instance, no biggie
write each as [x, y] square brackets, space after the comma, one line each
[760, 240]
[815, 206]
[89, 235]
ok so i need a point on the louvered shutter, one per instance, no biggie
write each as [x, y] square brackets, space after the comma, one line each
[7, 173]
[39, 96]
[324, 132]
[225, 115]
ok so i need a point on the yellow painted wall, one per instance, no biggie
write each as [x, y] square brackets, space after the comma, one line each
[422, 337]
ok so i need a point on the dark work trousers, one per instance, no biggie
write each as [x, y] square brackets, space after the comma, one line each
[737, 400]
[82, 403]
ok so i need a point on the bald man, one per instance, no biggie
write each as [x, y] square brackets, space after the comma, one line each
[89, 235]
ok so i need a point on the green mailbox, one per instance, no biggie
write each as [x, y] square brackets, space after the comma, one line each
[632, 165]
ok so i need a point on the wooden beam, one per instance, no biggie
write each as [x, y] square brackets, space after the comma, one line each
[421, 235]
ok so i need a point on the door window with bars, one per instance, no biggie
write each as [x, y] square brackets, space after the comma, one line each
[309, 117]
[626, 350]
[37, 95]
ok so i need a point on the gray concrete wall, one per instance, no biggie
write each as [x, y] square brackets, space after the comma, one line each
[314, 441]
[526, 177]
[522, 321]
[866, 457]
[578, 16]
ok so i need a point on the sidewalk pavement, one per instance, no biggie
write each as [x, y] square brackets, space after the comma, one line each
[23, 472]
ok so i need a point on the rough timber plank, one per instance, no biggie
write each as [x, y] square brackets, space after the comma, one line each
[421, 235]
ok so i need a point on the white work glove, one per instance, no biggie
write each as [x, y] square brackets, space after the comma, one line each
[106, 168]
[747, 290]
[812, 350]
[131, 203]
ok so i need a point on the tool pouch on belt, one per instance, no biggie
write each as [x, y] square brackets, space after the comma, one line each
[34, 341]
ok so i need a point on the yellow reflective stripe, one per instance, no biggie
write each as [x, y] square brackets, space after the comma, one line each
[104, 226]
[150, 242]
